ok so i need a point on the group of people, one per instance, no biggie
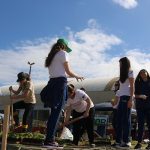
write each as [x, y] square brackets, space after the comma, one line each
[78, 103]
[129, 92]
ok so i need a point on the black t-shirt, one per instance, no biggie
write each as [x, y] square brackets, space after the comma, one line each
[142, 88]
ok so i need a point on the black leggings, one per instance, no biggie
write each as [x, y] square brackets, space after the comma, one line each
[28, 113]
[84, 124]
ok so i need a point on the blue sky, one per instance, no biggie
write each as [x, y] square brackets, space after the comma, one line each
[98, 31]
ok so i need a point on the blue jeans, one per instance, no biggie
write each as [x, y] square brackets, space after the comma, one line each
[123, 120]
[52, 123]
[59, 94]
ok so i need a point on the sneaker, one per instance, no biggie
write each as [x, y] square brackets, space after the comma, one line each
[129, 144]
[51, 145]
[115, 144]
[71, 144]
[92, 145]
[124, 146]
[148, 146]
[138, 146]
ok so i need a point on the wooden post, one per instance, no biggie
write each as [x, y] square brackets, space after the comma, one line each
[5, 126]
[11, 113]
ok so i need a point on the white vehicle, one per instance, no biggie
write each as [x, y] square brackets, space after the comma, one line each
[99, 89]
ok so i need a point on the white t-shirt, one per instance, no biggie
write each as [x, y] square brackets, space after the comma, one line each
[56, 68]
[125, 87]
[78, 103]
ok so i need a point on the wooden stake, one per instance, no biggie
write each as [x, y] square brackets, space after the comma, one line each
[5, 127]
[11, 113]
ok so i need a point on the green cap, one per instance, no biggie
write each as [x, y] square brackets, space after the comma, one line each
[64, 42]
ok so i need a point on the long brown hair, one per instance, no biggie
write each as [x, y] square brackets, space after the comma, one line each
[55, 48]
[124, 69]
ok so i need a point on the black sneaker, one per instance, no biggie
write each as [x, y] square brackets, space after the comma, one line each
[148, 146]
[138, 146]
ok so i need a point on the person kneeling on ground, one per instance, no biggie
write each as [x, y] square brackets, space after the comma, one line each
[80, 104]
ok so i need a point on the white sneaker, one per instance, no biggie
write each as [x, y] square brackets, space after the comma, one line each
[129, 144]
[124, 146]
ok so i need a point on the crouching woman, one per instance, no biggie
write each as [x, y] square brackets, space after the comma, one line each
[80, 104]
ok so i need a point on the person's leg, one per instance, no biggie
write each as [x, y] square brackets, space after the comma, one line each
[28, 116]
[77, 127]
[89, 125]
[126, 119]
[17, 105]
[76, 131]
[114, 121]
[119, 122]
[147, 113]
[126, 124]
[58, 88]
[114, 118]
[140, 119]
[52, 124]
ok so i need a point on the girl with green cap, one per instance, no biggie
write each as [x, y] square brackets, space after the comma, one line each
[57, 63]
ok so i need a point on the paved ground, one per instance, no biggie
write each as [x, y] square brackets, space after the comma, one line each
[99, 146]
[25, 147]
[31, 147]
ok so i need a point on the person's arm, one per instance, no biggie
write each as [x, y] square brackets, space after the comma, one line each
[25, 93]
[71, 73]
[22, 96]
[67, 113]
[116, 100]
[131, 81]
[16, 92]
[144, 97]
[89, 101]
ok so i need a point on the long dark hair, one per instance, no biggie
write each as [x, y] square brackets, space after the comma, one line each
[124, 69]
[55, 48]
[139, 79]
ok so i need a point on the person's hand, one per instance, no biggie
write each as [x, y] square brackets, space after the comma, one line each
[13, 97]
[113, 102]
[86, 114]
[10, 88]
[79, 78]
[143, 97]
[130, 103]
[61, 125]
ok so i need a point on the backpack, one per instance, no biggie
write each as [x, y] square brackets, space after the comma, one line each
[44, 94]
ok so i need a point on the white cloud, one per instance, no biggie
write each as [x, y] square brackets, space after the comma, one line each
[91, 55]
[127, 4]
